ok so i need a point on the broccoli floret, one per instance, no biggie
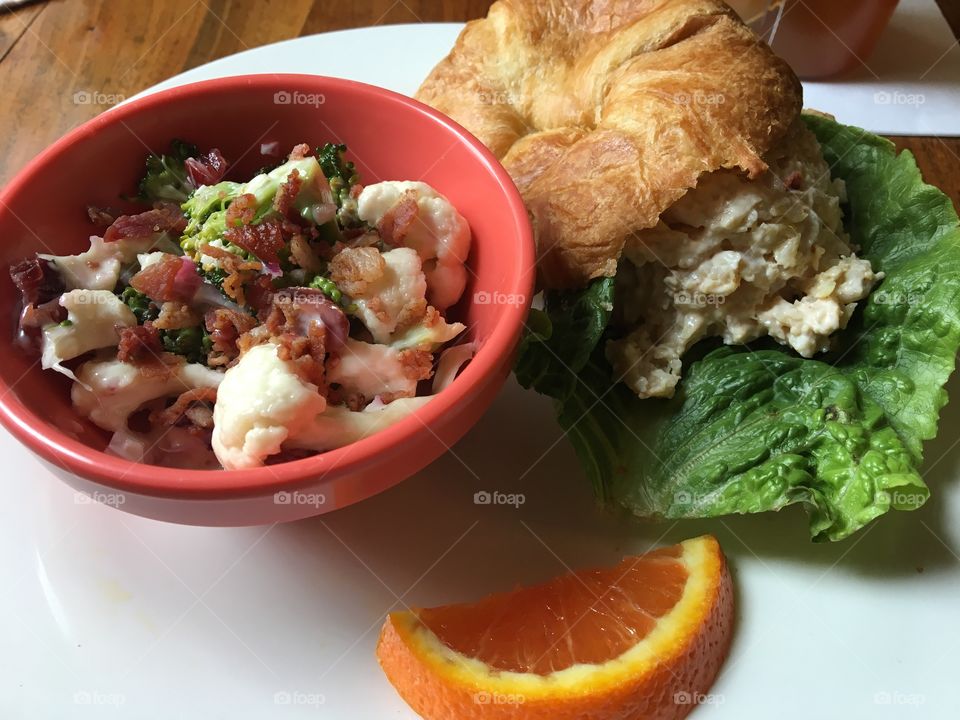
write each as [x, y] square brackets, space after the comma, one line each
[264, 187]
[342, 175]
[207, 207]
[215, 276]
[340, 172]
[212, 229]
[207, 200]
[193, 343]
[328, 287]
[166, 177]
[143, 308]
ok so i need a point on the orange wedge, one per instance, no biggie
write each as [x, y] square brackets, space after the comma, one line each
[644, 639]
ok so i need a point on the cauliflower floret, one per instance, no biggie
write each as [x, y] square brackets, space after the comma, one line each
[440, 235]
[109, 391]
[371, 370]
[99, 267]
[92, 320]
[263, 406]
[339, 426]
[262, 401]
[429, 334]
[381, 303]
[151, 258]
[388, 292]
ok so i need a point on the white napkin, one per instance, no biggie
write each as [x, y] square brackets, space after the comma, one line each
[910, 84]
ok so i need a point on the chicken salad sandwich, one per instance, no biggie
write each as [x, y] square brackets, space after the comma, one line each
[745, 306]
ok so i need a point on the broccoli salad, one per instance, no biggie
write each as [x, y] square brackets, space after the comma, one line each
[236, 324]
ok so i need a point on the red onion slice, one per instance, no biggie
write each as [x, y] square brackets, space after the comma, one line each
[272, 269]
[208, 169]
[187, 281]
[315, 307]
[451, 361]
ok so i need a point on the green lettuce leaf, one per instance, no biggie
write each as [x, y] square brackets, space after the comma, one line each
[756, 429]
[560, 339]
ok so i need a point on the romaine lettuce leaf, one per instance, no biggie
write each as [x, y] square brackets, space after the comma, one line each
[757, 429]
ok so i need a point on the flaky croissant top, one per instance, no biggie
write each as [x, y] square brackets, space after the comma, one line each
[606, 112]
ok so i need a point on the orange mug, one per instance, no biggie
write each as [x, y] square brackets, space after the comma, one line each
[819, 38]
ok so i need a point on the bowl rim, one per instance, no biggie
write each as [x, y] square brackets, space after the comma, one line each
[77, 458]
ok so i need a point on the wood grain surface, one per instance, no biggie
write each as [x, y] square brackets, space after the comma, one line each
[64, 61]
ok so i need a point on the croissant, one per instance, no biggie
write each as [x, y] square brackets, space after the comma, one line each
[606, 112]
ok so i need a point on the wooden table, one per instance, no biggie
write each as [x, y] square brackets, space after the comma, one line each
[51, 53]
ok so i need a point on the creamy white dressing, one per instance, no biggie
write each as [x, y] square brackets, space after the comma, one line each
[109, 391]
[99, 267]
[370, 370]
[92, 320]
[338, 426]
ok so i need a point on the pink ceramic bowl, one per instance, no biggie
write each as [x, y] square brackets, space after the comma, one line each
[390, 137]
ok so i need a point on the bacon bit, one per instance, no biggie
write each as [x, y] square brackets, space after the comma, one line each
[416, 364]
[158, 281]
[308, 307]
[239, 271]
[208, 169]
[264, 240]
[302, 329]
[355, 269]
[99, 216]
[242, 210]
[411, 314]
[255, 336]
[165, 218]
[219, 253]
[794, 181]
[355, 190]
[194, 399]
[375, 305]
[175, 315]
[225, 327]
[287, 193]
[303, 255]
[37, 280]
[432, 316]
[233, 287]
[397, 221]
[306, 354]
[259, 293]
[140, 345]
[299, 152]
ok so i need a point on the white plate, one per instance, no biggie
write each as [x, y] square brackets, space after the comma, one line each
[103, 612]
